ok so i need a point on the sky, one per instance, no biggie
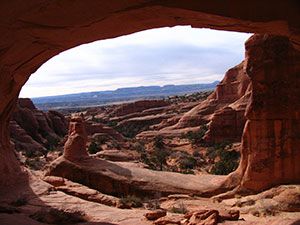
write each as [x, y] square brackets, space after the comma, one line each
[177, 55]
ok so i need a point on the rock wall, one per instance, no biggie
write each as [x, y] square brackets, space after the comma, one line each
[224, 111]
[229, 100]
[33, 131]
[271, 139]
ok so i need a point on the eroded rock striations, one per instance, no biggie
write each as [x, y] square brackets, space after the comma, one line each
[271, 138]
[34, 131]
[223, 111]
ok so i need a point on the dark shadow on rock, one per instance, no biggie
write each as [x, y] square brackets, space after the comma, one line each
[97, 223]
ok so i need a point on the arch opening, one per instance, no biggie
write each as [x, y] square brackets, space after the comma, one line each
[197, 48]
[35, 32]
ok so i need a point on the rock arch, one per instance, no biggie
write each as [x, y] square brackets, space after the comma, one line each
[34, 31]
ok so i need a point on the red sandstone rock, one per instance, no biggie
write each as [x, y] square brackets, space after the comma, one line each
[155, 214]
[58, 122]
[36, 31]
[33, 130]
[270, 144]
[94, 128]
[121, 178]
[138, 106]
[75, 146]
[228, 215]
[223, 110]
[203, 217]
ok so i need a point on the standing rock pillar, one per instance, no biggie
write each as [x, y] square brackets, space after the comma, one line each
[271, 138]
[75, 146]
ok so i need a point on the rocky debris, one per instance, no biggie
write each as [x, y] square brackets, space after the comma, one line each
[210, 216]
[170, 220]
[199, 217]
[202, 217]
[33, 131]
[228, 215]
[75, 146]
[284, 198]
[155, 214]
[80, 191]
[137, 106]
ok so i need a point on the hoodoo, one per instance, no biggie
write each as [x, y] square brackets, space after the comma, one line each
[75, 146]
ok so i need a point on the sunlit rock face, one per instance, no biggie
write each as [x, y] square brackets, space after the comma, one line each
[35, 31]
[271, 139]
[75, 146]
[231, 97]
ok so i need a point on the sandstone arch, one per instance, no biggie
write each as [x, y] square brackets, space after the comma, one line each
[34, 31]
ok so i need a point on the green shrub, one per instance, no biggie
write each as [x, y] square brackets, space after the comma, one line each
[138, 146]
[93, 148]
[112, 123]
[196, 137]
[159, 142]
[52, 143]
[188, 163]
[131, 201]
[196, 153]
[229, 161]
[181, 208]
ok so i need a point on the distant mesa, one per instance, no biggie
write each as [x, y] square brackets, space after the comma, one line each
[90, 99]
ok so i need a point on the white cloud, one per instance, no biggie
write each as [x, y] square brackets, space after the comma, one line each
[178, 55]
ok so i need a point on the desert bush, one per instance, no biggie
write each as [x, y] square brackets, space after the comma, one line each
[196, 153]
[112, 123]
[181, 208]
[196, 137]
[188, 163]
[52, 143]
[131, 201]
[160, 157]
[228, 162]
[138, 146]
[94, 148]
[159, 142]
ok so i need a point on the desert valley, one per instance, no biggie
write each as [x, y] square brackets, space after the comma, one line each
[163, 155]
[225, 152]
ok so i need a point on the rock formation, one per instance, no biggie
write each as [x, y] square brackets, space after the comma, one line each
[223, 110]
[138, 106]
[75, 146]
[33, 131]
[271, 138]
[36, 31]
